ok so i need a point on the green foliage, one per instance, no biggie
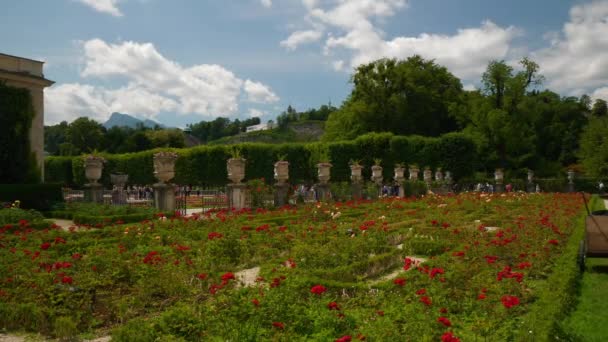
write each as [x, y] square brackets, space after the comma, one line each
[16, 114]
[207, 164]
[412, 96]
[32, 196]
[14, 215]
[594, 147]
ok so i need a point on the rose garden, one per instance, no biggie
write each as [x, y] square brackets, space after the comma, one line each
[353, 263]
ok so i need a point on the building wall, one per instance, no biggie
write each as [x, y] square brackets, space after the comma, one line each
[30, 77]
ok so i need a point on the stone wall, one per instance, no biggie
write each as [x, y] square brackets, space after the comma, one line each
[26, 73]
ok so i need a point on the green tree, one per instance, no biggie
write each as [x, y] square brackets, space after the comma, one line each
[54, 136]
[85, 135]
[594, 147]
[412, 96]
[600, 108]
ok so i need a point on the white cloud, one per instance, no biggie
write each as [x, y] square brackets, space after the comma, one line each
[301, 37]
[577, 60]
[353, 34]
[600, 93]
[104, 6]
[256, 113]
[259, 93]
[266, 3]
[153, 84]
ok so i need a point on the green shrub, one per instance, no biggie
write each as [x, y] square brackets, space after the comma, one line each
[14, 215]
[32, 196]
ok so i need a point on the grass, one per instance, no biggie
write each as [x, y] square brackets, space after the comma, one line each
[589, 320]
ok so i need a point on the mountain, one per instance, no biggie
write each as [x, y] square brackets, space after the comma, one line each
[126, 120]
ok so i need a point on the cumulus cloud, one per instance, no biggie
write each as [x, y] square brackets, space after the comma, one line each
[354, 33]
[259, 93]
[153, 84]
[266, 3]
[301, 37]
[577, 60]
[256, 113]
[104, 6]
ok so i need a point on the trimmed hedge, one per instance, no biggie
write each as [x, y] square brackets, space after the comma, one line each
[206, 165]
[558, 296]
[41, 197]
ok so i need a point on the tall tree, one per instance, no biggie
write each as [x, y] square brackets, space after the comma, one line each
[86, 135]
[600, 108]
[413, 96]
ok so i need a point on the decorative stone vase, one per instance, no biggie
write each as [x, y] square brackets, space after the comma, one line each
[438, 175]
[164, 166]
[377, 174]
[119, 180]
[448, 177]
[428, 175]
[93, 167]
[530, 176]
[499, 176]
[399, 177]
[324, 172]
[236, 169]
[281, 171]
[570, 176]
[414, 172]
[355, 173]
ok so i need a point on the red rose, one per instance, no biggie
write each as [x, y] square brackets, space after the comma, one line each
[318, 289]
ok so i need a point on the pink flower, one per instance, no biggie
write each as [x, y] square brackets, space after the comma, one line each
[345, 338]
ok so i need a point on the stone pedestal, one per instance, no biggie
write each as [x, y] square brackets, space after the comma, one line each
[401, 190]
[237, 196]
[499, 188]
[571, 187]
[164, 197]
[531, 187]
[280, 194]
[93, 192]
[322, 192]
[119, 197]
[357, 190]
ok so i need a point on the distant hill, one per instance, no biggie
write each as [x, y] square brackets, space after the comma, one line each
[126, 120]
[302, 131]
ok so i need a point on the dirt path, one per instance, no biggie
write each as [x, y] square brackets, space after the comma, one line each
[416, 261]
[247, 277]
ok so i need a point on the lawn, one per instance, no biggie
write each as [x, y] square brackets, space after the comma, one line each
[437, 268]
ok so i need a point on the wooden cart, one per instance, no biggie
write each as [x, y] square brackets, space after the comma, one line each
[595, 243]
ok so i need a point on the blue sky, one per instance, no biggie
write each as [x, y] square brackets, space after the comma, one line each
[183, 61]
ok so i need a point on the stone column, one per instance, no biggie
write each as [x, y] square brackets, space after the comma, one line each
[428, 177]
[571, 187]
[530, 185]
[93, 168]
[377, 177]
[237, 195]
[164, 171]
[414, 172]
[499, 178]
[281, 187]
[357, 180]
[324, 175]
[118, 194]
[399, 179]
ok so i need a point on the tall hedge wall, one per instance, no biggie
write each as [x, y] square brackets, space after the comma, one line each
[206, 165]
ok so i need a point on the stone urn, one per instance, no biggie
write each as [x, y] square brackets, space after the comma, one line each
[93, 167]
[414, 172]
[399, 174]
[119, 180]
[281, 171]
[377, 174]
[530, 176]
[570, 176]
[323, 172]
[355, 173]
[499, 176]
[448, 177]
[164, 166]
[236, 169]
[428, 175]
[438, 175]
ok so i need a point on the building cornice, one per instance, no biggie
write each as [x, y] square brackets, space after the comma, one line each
[25, 77]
